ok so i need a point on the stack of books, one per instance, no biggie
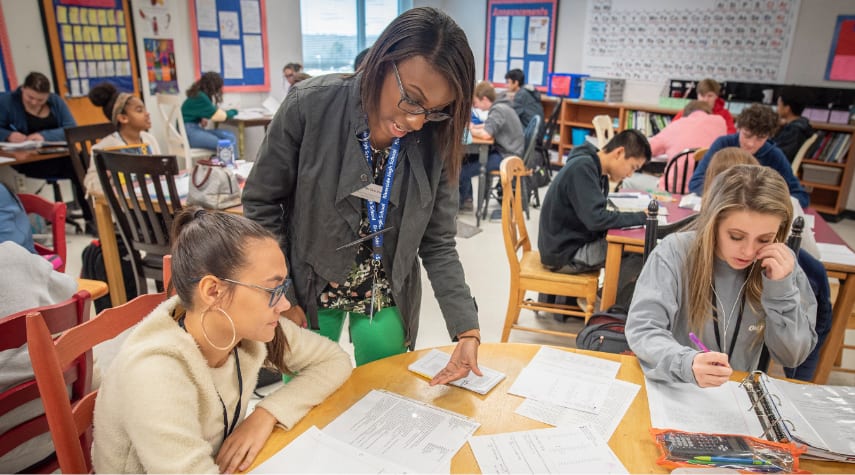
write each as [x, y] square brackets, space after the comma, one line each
[830, 146]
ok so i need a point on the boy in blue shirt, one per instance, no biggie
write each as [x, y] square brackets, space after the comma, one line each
[755, 125]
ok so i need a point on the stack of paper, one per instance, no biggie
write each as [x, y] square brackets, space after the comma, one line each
[836, 253]
[566, 389]
[434, 361]
[30, 144]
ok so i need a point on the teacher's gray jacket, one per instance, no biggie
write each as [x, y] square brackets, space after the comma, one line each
[300, 189]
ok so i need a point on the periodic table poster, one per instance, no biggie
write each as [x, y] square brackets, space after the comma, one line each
[736, 40]
[93, 38]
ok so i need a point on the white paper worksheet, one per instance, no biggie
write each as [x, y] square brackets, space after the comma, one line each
[315, 452]
[405, 431]
[620, 397]
[567, 379]
[577, 449]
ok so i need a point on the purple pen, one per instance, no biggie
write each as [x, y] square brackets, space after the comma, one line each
[697, 341]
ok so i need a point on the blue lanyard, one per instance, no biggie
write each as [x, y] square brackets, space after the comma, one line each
[377, 216]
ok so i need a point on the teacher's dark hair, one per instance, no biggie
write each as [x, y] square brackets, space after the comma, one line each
[213, 243]
[37, 82]
[433, 35]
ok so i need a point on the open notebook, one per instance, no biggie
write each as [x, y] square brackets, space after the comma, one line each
[819, 417]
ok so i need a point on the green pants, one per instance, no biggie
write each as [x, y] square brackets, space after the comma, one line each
[373, 339]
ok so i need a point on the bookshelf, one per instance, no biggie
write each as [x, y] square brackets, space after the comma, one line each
[828, 174]
[578, 114]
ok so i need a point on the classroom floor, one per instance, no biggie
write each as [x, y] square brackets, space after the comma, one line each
[487, 272]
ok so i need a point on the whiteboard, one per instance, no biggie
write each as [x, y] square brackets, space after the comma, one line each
[736, 40]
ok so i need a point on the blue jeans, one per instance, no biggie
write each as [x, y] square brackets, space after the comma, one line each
[470, 169]
[204, 138]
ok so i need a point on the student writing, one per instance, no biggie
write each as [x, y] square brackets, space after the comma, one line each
[731, 280]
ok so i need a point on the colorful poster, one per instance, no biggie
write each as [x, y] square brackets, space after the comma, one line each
[841, 58]
[160, 66]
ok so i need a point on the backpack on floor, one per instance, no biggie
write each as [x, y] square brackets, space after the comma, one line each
[93, 268]
[605, 332]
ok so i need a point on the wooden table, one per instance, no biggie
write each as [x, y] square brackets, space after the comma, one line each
[28, 156]
[482, 147]
[241, 125]
[632, 240]
[110, 248]
[631, 440]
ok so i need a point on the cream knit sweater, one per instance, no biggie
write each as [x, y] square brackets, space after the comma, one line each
[158, 409]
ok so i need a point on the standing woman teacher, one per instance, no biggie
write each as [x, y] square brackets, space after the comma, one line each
[348, 155]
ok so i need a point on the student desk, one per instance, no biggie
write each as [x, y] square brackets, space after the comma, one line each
[241, 125]
[631, 440]
[27, 156]
[632, 240]
[110, 247]
[482, 148]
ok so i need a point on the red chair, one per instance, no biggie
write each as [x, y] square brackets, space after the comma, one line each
[13, 334]
[70, 421]
[54, 213]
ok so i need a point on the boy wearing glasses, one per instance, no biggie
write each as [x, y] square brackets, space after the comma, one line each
[503, 126]
[755, 125]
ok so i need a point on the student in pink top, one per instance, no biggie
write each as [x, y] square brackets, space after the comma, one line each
[709, 91]
[698, 128]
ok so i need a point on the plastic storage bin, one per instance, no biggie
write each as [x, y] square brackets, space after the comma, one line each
[579, 136]
[820, 174]
[565, 84]
[603, 89]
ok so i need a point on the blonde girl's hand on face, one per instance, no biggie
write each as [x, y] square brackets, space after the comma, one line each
[777, 260]
[243, 445]
[711, 369]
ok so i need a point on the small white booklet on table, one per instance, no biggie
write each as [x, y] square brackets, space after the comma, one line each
[434, 361]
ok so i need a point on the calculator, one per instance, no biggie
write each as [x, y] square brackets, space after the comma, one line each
[685, 445]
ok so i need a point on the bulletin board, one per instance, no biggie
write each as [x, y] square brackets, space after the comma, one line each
[91, 41]
[520, 35]
[729, 40]
[8, 81]
[841, 58]
[231, 39]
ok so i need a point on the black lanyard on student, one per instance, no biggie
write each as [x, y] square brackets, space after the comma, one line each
[227, 428]
[735, 330]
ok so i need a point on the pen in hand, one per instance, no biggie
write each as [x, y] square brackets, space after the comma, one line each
[697, 342]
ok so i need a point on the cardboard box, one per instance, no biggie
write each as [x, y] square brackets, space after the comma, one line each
[821, 175]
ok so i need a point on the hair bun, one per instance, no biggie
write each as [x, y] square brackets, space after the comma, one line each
[101, 94]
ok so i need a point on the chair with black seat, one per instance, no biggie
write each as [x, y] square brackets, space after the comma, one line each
[80, 141]
[143, 196]
[679, 171]
[527, 272]
[30, 424]
[491, 190]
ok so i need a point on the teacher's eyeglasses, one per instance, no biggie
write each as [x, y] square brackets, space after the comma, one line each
[414, 108]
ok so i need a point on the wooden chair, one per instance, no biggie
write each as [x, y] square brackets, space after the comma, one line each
[699, 155]
[141, 192]
[800, 155]
[176, 133]
[676, 176]
[71, 424]
[527, 273]
[54, 213]
[13, 335]
[604, 128]
[80, 141]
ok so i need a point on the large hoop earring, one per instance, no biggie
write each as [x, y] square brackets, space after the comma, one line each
[205, 333]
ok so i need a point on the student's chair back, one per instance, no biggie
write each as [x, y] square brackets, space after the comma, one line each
[71, 424]
[653, 232]
[604, 128]
[800, 155]
[54, 213]
[142, 193]
[679, 171]
[13, 335]
[700, 154]
[176, 134]
[527, 273]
